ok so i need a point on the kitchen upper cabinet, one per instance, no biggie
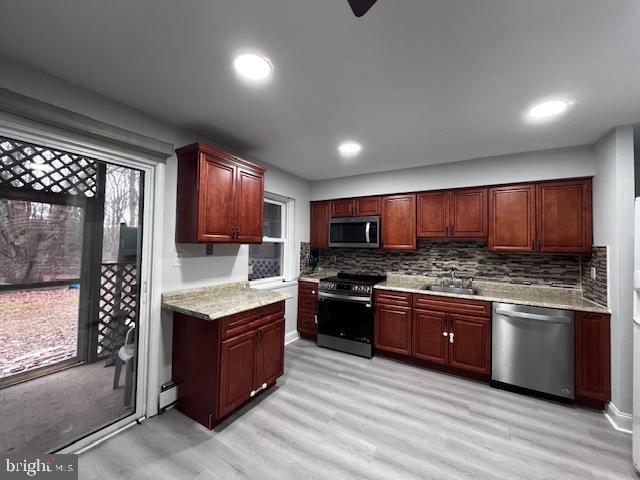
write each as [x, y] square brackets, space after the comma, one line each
[564, 217]
[548, 217]
[399, 222]
[320, 215]
[512, 219]
[470, 343]
[358, 207]
[430, 336]
[367, 206]
[468, 213]
[219, 198]
[433, 215]
[453, 214]
[393, 328]
[343, 208]
[593, 356]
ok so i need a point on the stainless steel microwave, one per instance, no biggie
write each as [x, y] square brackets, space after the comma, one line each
[355, 232]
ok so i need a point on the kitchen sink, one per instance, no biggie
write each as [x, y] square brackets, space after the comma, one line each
[449, 289]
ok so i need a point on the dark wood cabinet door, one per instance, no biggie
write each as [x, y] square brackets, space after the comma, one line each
[270, 354]
[469, 213]
[393, 329]
[342, 208]
[564, 216]
[216, 199]
[399, 222]
[237, 368]
[319, 232]
[433, 215]
[307, 323]
[512, 219]
[367, 206]
[249, 202]
[430, 341]
[593, 356]
[470, 347]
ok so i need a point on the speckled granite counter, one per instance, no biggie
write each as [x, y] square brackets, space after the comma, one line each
[218, 301]
[315, 277]
[550, 297]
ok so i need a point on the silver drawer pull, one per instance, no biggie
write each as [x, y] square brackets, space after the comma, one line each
[445, 334]
[253, 393]
[264, 385]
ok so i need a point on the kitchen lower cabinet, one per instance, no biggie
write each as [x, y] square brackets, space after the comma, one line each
[430, 336]
[592, 356]
[308, 309]
[470, 343]
[393, 328]
[220, 365]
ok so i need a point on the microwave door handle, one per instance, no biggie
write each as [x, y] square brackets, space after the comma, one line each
[366, 232]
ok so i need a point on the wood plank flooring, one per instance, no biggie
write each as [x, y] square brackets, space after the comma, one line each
[336, 416]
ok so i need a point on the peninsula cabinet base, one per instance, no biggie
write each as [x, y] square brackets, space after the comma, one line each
[221, 365]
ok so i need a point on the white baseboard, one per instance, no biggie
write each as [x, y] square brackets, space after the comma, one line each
[621, 421]
[291, 337]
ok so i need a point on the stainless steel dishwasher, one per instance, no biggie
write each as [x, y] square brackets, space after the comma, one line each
[532, 348]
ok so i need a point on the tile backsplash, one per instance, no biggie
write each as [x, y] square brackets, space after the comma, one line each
[595, 290]
[470, 258]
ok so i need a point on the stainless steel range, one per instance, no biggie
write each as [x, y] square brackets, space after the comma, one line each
[345, 313]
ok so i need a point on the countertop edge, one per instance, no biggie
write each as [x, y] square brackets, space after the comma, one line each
[277, 297]
[593, 308]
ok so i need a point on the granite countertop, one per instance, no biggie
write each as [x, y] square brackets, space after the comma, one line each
[550, 297]
[316, 276]
[218, 301]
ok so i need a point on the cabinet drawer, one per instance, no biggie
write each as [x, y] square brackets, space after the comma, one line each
[308, 288]
[452, 305]
[308, 303]
[393, 298]
[242, 322]
[307, 323]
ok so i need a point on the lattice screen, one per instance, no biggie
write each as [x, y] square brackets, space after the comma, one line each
[24, 165]
[118, 306]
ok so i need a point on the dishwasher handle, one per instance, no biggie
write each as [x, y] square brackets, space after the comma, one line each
[533, 316]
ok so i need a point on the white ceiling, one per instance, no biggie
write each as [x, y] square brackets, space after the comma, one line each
[417, 82]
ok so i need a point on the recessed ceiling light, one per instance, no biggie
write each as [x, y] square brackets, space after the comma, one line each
[349, 149]
[548, 109]
[252, 66]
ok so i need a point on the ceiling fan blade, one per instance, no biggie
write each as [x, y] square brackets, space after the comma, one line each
[360, 7]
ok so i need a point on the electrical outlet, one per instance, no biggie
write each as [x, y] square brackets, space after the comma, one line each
[593, 273]
[250, 269]
[177, 260]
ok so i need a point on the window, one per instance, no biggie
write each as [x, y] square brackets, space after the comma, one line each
[270, 261]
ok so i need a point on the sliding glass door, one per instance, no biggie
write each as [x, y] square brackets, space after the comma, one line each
[71, 229]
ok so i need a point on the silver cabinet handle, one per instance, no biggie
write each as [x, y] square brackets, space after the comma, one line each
[315, 318]
[445, 334]
[451, 337]
[264, 385]
[313, 292]
[253, 393]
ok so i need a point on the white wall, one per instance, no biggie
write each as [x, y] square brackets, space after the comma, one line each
[522, 167]
[228, 263]
[613, 218]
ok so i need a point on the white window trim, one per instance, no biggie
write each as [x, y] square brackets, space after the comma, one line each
[288, 262]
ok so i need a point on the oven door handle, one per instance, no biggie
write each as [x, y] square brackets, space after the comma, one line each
[334, 296]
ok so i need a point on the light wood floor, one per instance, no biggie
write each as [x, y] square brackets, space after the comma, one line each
[336, 416]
